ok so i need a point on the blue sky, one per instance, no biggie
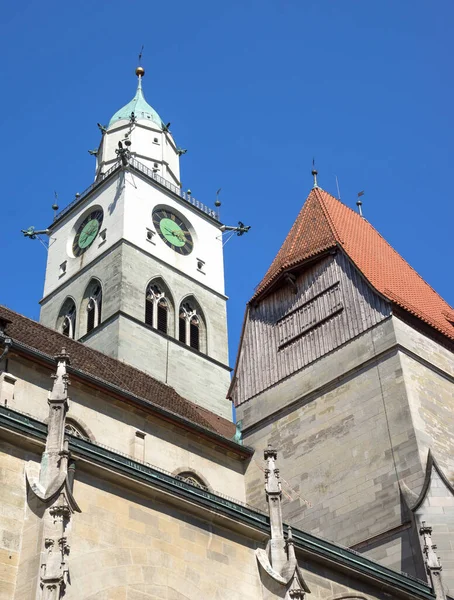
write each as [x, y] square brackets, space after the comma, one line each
[254, 90]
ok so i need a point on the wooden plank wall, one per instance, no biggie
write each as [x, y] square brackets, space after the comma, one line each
[288, 330]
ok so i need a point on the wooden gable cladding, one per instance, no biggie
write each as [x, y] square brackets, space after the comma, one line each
[327, 304]
[310, 314]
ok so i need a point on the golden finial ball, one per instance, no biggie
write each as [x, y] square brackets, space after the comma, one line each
[140, 71]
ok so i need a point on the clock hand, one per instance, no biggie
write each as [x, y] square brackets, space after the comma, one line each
[175, 232]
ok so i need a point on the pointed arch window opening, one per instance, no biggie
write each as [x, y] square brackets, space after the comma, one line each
[157, 308]
[94, 309]
[69, 323]
[190, 326]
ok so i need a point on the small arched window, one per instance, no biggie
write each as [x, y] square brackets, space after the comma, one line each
[94, 308]
[192, 479]
[157, 308]
[191, 326]
[75, 430]
[66, 323]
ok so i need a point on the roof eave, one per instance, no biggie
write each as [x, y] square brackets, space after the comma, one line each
[38, 356]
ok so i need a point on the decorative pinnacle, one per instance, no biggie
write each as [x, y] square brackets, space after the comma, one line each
[290, 543]
[270, 453]
[61, 378]
[272, 483]
[63, 357]
[432, 560]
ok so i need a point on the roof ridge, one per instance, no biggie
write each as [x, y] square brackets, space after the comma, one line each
[378, 233]
[326, 212]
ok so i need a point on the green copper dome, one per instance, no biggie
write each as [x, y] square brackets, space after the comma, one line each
[140, 107]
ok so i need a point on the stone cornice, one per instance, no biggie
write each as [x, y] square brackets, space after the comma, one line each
[113, 247]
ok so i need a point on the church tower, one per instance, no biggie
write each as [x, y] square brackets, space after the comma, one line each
[135, 265]
[346, 366]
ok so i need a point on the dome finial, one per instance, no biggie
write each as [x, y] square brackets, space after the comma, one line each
[140, 71]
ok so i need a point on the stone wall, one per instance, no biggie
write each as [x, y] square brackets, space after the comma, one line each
[346, 439]
[131, 542]
[124, 273]
[114, 423]
[428, 371]
[146, 550]
[12, 500]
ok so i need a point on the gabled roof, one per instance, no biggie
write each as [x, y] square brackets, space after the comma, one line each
[324, 223]
[107, 370]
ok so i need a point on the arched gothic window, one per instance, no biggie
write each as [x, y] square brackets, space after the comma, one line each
[191, 326]
[94, 308]
[157, 307]
[76, 430]
[66, 322]
[193, 479]
[90, 307]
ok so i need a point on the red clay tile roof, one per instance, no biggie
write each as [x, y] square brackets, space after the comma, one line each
[112, 371]
[324, 223]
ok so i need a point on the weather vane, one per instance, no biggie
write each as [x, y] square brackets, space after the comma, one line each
[359, 203]
[239, 229]
[314, 173]
[35, 234]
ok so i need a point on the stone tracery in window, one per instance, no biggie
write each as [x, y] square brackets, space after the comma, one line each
[94, 307]
[191, 326]
[157, 307]
[66, 323]
[192, 479]
[75, 430]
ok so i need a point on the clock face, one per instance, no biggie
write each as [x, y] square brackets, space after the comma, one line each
[87, 232]
[173, 231]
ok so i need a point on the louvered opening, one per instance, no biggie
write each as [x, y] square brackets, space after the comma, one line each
[99, 307]
[90, 316]
[66, 327]
[162, 316]
[182, 329]
[194, 333]
[149, 306]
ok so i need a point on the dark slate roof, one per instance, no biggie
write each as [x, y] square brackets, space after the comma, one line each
[112, 372]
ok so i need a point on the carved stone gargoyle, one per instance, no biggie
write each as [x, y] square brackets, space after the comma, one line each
[278, 561]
